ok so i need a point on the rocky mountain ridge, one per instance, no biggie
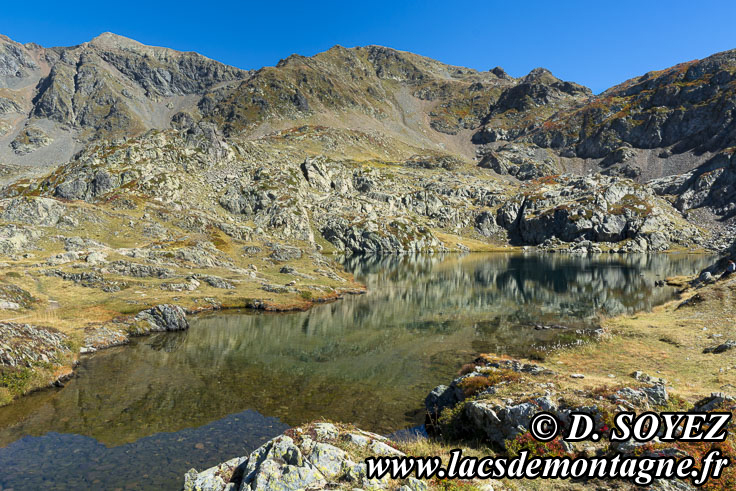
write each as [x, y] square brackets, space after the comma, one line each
[113, 86]
[55, 100]
[674, 122]
[138, 176]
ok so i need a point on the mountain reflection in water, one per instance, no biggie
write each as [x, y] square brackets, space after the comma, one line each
[367, 359]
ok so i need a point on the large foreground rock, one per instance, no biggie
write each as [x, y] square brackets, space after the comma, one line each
[316, 456]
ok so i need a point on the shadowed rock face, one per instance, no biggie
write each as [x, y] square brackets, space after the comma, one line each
[63, 98]
[355, 208]
[122, 87]
[661, 124]
[105, 84]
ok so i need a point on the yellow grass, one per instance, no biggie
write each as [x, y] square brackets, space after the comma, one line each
[667, 343]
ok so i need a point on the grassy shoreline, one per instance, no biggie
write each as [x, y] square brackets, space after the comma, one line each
[83, 310]
[18, 383]
[667, 343]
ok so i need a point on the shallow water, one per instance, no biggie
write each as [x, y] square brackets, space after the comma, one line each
[138, 417]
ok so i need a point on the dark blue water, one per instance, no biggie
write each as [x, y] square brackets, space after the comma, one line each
[61, 461]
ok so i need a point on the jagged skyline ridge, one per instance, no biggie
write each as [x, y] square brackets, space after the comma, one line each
[577, 41]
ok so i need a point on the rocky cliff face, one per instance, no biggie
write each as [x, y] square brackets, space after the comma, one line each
[689, 107]
[53, 101]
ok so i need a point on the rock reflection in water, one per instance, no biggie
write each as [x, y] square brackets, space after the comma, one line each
[366, 359]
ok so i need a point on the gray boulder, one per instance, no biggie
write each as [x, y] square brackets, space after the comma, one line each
[44, 212]
[222, 477]
[160, 318]
[500, 423]
[442, 397]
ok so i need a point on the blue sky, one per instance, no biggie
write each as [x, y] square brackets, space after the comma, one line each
[596, 43]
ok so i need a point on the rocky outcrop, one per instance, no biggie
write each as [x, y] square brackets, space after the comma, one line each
[8, 106]
[158, 319]
[16, 64]
[42, 212]
[104, 85]
[362, 210]
[215, 281]
[499, 423]
[595, 209]
[537, 88]
[30, 139]
[470, 402]
[25, 346]
[315, 456]
[161, 318]
[689, 106]
[456, 98]
[714, 401]
[523, 162]
[445, 397]
[387, 238]
[712, 185]
[87, 279]
[138, 270]
[15, 239]
[13, 297]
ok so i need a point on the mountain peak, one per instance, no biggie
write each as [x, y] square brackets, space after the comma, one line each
[540, 74]
[500, 72]
[112, 40]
